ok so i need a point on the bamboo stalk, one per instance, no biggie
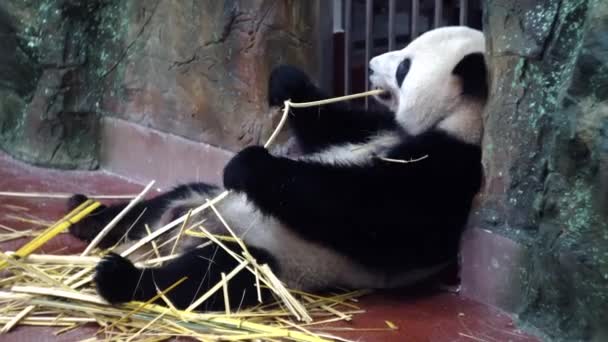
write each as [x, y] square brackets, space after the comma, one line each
[47, 291]
[10, 324]
[74, 216]
[151, 300]
[45, 259]
[216, 287]
[50, 319]
[58, 195]
[226, 298]
[335, 99]
[116, 219]
[171, 225]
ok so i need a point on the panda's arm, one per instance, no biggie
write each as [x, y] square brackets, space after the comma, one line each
[314, 196]
[319, 127]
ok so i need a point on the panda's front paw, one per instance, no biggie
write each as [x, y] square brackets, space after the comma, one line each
[247, 168]
[116, 278]
[288, 83]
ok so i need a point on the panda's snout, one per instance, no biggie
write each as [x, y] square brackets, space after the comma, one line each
[370, 71]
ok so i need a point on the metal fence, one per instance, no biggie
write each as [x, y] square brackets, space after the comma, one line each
[365, 28]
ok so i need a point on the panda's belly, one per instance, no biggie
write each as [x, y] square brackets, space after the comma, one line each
[303, 264]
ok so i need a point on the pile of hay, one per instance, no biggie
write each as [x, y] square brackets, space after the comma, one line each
[52, 290]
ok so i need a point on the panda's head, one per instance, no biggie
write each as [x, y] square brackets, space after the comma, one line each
[438, 81]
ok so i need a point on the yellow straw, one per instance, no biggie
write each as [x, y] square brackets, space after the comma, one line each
[74, 216]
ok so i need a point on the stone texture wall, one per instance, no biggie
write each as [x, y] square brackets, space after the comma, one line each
[197, 69]
[546, 158]
[44, 51]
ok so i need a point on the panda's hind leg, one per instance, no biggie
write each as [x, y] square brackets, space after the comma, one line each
[87, 228]
[119, 281]
[132, 225]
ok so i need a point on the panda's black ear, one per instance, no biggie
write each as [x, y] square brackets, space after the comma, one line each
[473, 71]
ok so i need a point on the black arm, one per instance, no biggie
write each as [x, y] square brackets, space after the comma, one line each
[321, 126]
[319, 199]
[327, 203]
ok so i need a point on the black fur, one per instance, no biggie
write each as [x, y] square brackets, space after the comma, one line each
[473, 71]
[402, 70]
[119, 281]
[319, 127]
[386, 215]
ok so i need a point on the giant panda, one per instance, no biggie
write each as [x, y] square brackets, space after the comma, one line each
[377, 199]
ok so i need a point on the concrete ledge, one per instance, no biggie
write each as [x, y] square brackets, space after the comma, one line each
[142, 154]
[491, 271]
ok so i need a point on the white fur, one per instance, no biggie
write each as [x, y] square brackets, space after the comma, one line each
[357, 154]
[430, 94]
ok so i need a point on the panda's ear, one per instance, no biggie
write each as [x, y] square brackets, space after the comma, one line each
[474, 74]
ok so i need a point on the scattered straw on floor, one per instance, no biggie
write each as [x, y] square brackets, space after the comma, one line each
[57, 291]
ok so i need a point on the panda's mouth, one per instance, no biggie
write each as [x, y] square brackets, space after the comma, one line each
[385, 95]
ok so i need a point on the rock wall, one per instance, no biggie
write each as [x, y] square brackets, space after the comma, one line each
[546, 158]
[46, 116]
[197, 69]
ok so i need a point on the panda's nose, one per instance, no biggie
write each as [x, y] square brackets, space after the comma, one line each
[370, 71]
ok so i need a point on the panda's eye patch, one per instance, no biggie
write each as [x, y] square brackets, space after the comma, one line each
[402, 71]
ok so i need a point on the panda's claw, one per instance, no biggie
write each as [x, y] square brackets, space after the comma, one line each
[116, 278]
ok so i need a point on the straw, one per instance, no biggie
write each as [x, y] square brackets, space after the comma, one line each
[116, 219]
[54, 290]
[73, 217]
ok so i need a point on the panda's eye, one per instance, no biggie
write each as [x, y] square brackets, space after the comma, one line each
[402, 71]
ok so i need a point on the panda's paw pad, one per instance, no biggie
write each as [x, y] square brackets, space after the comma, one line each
[116, 278]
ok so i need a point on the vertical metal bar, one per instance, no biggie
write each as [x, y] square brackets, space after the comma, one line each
[337, 15]
[464, 7]
[415, 10]
[325, 38]
[438, 13]
[347, 31]
[391, 24]
[369, 17]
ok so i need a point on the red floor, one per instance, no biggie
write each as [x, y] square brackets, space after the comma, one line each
[436, 317]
